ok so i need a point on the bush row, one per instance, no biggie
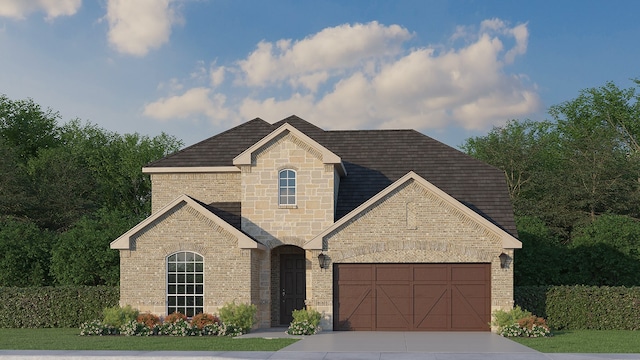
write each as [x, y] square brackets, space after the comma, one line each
[54, 307]
[583, 307]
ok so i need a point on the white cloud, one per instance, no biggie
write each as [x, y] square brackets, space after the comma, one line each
[331, 50]
[362, 76]
[19, 9]
[192, 103]
[136, 27]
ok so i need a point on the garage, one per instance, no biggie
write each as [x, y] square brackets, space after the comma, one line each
[412, 297]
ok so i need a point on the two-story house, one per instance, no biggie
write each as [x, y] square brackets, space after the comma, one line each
[377, 230]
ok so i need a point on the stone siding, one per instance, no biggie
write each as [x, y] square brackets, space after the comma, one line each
[275, 225]
[205, 187]
[410, 225]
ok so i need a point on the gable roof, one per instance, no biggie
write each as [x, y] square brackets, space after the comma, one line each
[328, 157]
[373, 160]
[508, 241]
[244, 241]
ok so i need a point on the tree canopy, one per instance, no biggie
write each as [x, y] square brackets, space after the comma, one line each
[66, 191]
[575, 185]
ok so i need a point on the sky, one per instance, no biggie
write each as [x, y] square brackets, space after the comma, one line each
[194, 68]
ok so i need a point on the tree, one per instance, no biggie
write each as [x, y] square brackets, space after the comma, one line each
[24, 254]
[81, 255]
[27, 128]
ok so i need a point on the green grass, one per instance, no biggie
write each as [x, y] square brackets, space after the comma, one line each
[586, 341]
[69, 339]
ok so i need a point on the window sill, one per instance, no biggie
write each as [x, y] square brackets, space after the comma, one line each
[287, 206]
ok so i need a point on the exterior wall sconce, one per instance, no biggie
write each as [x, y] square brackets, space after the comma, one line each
[503, 260]
[323, 260]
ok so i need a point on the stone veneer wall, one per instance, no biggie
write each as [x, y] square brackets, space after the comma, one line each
[410, 225]
[275, 225]
[228, 273]
[205, 187]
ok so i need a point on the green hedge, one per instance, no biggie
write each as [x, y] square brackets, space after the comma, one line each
[583, 307]
[54, 307]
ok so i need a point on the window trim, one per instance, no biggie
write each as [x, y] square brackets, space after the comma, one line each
[181, 299]
[288, 187]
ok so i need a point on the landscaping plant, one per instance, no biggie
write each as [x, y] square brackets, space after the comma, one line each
[518, 322]
[305, 322]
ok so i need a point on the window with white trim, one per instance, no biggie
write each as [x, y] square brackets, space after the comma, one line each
[287, 187]
[185, 283]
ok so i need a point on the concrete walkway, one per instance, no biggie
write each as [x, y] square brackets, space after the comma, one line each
[346, 345]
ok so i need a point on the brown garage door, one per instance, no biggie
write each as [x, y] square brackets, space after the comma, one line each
[412, 297]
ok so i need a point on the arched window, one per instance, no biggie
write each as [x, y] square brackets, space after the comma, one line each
[287, 187]
[185, 283]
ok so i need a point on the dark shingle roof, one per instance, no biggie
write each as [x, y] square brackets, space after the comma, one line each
[373, 159]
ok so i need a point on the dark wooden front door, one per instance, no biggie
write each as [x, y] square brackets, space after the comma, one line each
[292, 286]
[412, 297]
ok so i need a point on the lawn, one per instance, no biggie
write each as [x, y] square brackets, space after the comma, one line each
[586, 341]
[68, 339]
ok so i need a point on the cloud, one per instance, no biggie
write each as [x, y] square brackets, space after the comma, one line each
[192, 103]
[136, 27]
[332, 50]
[364, 76]
[19, 9]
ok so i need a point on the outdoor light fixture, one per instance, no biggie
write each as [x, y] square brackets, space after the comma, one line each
[503, 260]
[322, 259]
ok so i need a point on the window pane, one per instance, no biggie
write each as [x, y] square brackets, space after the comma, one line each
[172, 279]
[190, 312]
[199, 279]
[199, 290]
[180, 267]
[181, 289]
[172, 301]
[181, 300]
[181, 256]
[199, 301]
[172, 289]
[180, 278]
[199, 267]
[172, 267]
[191, 289]
[190, 278]
[188, 257]
[172, 258]
[190, 267]
[191, 301]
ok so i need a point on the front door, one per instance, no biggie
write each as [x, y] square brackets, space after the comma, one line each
[292, 286]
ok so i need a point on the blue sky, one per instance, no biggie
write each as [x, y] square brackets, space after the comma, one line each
[194, 68]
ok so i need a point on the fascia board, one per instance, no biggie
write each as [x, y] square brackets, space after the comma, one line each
[328, 157]
[508, 241]
[185, 169]
[244, 242]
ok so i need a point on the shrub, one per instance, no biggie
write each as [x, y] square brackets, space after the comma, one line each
[305, 322]
[117, 316]
[54, 307]
[135, 328]
[96, 328]
[503, 318]
[149, 319]
[519, 322]
[175, 317]
[203, 319]
[179, 327]
[242, 316]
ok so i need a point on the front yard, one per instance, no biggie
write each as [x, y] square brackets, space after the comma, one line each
[586, 341]
[69, 339]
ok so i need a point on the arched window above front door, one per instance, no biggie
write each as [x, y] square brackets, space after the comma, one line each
[185, 283]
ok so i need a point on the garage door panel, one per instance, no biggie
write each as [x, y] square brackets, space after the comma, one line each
[432, 273]
[393, 273]
[427, 297]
